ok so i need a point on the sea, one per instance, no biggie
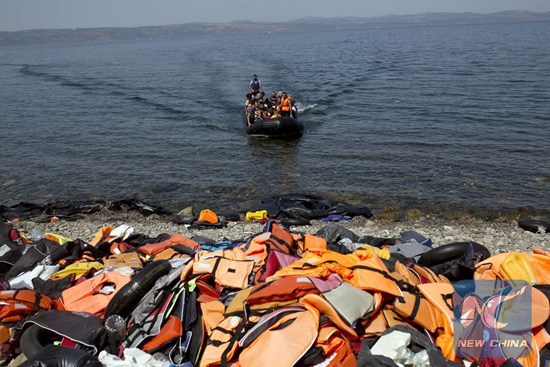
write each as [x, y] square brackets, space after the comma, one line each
[443, 119]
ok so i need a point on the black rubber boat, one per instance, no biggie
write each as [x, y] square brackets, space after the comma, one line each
[277, 128]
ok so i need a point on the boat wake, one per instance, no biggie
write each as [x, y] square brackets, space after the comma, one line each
[302, 108]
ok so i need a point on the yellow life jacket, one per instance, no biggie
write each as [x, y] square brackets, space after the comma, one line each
[77, 269]
[534, 268]
[57, 238]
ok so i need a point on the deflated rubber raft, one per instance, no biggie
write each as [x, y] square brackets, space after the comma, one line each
[274, 298]
[278, 128]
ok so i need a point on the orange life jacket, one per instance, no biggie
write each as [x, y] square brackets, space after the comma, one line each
[284, 343]
[176, 239]
[171, 330]
[531, 267]
[417, 310]
[212, 314]
[222, 343]
[84, 297]
[286, 103]
[284, 289]
[336, 348]
[381, 321]
[308, 242]
[18, 304]
[325, 308]
[261, 246]
[227, 272]
[440, 296]
[373, 275]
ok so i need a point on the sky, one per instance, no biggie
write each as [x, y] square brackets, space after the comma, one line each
[49, 14]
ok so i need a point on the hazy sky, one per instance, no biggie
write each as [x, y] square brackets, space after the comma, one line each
[33, 14]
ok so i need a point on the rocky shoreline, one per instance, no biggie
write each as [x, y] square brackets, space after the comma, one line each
[498, 235]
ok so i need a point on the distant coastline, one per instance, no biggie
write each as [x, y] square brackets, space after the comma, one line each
[111, 34]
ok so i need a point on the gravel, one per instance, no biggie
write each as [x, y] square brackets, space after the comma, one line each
[498, 236]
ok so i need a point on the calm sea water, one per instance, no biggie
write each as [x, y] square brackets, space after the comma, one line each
[437, 118]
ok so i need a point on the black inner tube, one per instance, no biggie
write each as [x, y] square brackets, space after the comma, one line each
[35, 338]
[532, 225]
[127, 297]
[444, 253]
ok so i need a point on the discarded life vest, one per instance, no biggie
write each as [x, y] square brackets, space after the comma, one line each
[156, 248]
[222, 343]
[440, 295]
[261, 247]
[78, 270]
[372, 274]
[18, 304]
[85, 297]
[227, 272]
[319, 303]
[283, 289]
[208, 216]
[336, 349]
[481, 320]
[280, 338]
[308, 242]
[417, 310]
[381, 321]
[534, 268]
[171, 330]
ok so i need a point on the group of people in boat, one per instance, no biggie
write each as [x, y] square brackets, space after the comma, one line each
[260, 107]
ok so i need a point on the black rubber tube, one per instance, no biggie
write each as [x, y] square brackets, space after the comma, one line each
[33, 340]
[54, 356]
[295, 222]
[532, 225]
[451, 251]
[126, 299]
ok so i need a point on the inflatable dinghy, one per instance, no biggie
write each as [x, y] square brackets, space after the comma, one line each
[279, 128]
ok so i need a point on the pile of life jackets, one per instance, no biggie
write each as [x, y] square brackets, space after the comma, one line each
[276, 298]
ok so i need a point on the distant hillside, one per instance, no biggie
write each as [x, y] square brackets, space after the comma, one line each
[45, 36]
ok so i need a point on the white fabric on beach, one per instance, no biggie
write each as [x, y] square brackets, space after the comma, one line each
[24, 280]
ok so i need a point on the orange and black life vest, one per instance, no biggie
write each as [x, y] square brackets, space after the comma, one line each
[285, 103]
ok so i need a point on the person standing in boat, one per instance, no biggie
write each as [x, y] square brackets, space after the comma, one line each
[255, 85]
[250, 113]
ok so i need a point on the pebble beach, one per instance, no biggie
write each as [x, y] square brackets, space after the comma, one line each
[500, 235]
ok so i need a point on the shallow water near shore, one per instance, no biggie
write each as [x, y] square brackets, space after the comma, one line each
[438, 118]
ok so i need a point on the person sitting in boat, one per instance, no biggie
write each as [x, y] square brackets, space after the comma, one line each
[272, 100]
[265, 112]
[261, 96]
[274, 114]
[255, 85]
[285, 106]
